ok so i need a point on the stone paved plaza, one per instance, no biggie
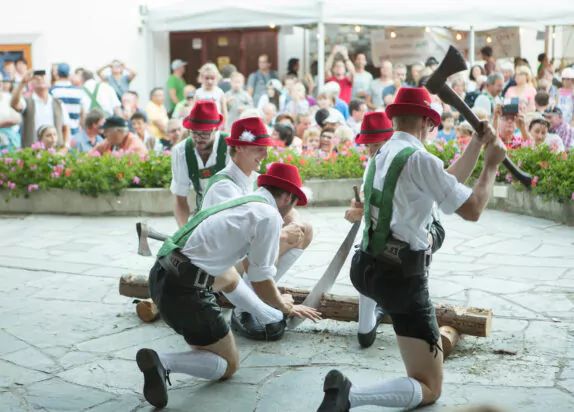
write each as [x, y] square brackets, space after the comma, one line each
[68, 340]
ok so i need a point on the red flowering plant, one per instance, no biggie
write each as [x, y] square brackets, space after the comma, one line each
[29, 170]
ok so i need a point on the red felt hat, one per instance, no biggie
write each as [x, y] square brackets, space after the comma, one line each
[376, 127]
[250, 131]
[286, 177]
[413, 101]
[203, 116]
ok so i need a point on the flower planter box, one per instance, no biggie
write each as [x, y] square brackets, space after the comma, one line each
[334, 192]
[155, 202]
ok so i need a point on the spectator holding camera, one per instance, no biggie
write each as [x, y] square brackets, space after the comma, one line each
[336, 71]
[507, 120]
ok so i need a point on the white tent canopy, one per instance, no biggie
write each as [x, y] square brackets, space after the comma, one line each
[196, 15]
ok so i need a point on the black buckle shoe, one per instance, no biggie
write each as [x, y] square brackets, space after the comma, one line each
[155, 377]
[249, 327]
[366, 340]
[336, 388]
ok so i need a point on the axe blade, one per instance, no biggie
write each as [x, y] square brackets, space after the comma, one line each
[143, 245]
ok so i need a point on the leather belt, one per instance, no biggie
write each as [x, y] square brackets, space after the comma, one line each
[398, 253]
[182, 271]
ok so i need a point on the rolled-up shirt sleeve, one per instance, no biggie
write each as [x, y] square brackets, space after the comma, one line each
[429, 174]
[264, 249]
[180, 183]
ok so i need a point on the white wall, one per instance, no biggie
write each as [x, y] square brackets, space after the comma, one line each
[291, 42]
[84, 35]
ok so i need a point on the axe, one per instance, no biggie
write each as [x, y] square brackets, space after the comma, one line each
[143, 233]
[453, 63]
[328, 279]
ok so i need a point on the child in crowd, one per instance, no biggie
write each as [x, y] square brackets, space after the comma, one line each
[183, 108]
[343, 134]
[447, 133]
[464, 132]
[48, 136]
[326, 100]
[311, 140]
[209, 77]
[273, 95]
[141, 129]
[298, 102]
[237, 98]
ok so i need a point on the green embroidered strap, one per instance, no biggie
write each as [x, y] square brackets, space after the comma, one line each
[178, 240]
[217, 178]
[192, 165]
[383, 200]
[194, 172]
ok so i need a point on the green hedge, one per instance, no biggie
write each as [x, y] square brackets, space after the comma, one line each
[29, 170]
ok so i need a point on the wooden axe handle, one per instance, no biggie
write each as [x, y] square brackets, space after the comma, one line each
[449, 96]
[357, 194]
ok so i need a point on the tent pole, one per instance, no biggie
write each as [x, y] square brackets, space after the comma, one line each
[321, 46]
[471, 44]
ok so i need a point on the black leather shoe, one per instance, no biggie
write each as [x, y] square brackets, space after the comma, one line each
[275, 331]
[336, 388]
[155, 377]
[366, 340]
[247, 326]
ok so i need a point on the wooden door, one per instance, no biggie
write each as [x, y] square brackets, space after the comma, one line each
[256, 43]
[238, 47]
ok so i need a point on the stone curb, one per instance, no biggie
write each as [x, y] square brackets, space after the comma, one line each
[326, 192]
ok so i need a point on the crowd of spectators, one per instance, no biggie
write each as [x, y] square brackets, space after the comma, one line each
[86, 112]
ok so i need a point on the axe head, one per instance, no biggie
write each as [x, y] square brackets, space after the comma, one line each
[452, 63]
[143, 245]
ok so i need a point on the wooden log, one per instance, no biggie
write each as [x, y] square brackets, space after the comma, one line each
[467, 321]
[147, 311]
[450, 338]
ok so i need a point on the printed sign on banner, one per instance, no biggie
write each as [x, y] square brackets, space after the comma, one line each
[410, 45]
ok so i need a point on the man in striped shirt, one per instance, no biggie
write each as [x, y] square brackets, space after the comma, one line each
[71, 96]
[560, 127]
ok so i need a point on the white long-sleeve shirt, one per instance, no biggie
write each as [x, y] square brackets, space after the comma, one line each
[422, 183]
[226, 238]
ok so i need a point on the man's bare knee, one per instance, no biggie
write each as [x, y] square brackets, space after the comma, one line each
[432, 390]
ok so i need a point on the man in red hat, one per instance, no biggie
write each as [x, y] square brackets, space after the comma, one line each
[198, 261]
[403, 184]
[197, 158]
[248, 143]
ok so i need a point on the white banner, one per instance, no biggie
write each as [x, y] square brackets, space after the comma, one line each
[410, 45]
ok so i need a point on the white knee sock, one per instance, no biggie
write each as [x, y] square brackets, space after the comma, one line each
[396, 393]
[239, 311]
[243, 297]
[286, 261]
[199, 363]
[367, 318]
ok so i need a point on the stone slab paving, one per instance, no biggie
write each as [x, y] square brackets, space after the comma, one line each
[68, 340]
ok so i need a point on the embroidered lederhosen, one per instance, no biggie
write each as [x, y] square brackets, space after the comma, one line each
[182, 291]
[195, 173]
[387, 270]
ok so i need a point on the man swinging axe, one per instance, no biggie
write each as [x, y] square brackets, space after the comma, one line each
[199, 259]
[248, 147]
[402, 184]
